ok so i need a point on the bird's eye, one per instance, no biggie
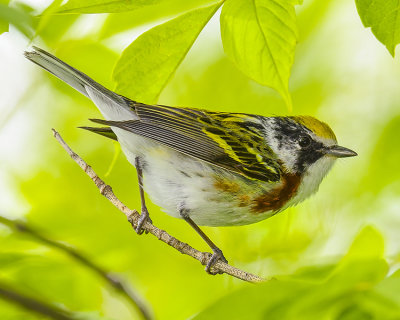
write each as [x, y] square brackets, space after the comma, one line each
[304, 141]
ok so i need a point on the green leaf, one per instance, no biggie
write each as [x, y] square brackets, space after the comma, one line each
[363, 265]
[103, 6]
[256, 301]
[148, 63]
[368, 244]
[118, 22]
[115, 6]
[286, 299]
[345, 292]
[383, 17]
[389, 287]
[87, 55]
[260, 37]
[17, 16]
[10, 258]
[380, 172]
[3, 22]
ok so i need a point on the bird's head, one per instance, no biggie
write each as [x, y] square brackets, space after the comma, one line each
[304, 145]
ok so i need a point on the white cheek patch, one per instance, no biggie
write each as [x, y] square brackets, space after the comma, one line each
[287, 155]
[312, 179]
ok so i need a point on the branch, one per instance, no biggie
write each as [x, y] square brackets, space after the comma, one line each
[117, 284]
[34, 305]
[133, 217]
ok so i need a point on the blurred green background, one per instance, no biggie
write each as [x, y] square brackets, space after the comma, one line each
[341, 75]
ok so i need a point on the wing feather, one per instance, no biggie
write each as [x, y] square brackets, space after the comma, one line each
[104, 131]
[233, 141]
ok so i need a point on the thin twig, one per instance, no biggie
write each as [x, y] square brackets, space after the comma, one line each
[133, 217]
[33, 304]
[117, 284]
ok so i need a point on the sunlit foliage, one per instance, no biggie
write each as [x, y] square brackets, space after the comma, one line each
[336, 256]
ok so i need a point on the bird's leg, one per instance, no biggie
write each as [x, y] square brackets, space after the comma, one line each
[144, 214]
[217, 253]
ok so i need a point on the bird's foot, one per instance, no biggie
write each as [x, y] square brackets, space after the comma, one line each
[144, 216]
[217, 255]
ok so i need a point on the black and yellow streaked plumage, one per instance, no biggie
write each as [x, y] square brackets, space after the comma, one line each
[232, 141]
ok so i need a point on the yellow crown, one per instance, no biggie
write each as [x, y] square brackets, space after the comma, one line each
[320, 128]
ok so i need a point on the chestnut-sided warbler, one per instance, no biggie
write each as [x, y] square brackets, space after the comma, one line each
[210, 168]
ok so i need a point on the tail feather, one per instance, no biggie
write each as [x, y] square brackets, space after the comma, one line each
[112, 105]
[103, 131]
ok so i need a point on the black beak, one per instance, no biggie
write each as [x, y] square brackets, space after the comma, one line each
[340, 152]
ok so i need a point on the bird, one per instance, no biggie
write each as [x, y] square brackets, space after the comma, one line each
[205, 167]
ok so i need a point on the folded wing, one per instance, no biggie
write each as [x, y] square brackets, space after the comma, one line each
[232, 141]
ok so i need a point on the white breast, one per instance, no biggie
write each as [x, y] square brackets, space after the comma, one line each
[312, 179]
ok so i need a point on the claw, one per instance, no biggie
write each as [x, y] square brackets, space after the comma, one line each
[217, 255]
[144, 216]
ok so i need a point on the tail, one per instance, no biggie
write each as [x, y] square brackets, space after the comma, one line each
[112, 105]
[103, 131]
